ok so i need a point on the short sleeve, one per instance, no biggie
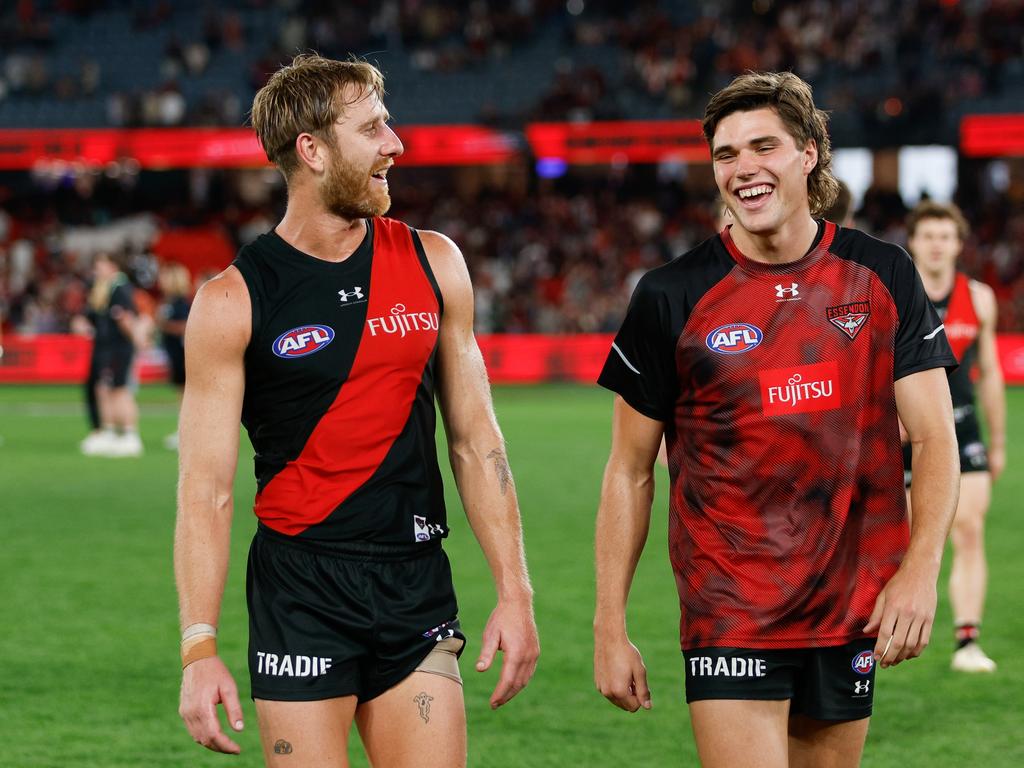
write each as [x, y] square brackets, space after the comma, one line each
[641, 364]
[920, 338]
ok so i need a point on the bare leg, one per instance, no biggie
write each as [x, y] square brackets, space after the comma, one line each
[106, 405]
[968, 577]
[731, 733]
[306, 734]
[826, 743]
[420, 721]
[125, 411]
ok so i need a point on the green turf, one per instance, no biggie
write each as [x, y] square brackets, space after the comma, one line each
[88, 652]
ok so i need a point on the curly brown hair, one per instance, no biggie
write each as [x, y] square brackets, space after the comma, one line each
[791, 99]
[306, 97]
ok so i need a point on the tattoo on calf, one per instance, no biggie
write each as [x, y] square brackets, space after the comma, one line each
[282, 747]
[502, 469]
[423, 700]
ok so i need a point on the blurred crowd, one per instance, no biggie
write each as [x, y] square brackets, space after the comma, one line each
[898, 70]
[548, 256]
[897, 74]
[552, 256]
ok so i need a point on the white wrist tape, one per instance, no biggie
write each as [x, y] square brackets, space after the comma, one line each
[195, 630]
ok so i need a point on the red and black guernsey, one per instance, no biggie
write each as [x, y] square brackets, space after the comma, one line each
[962, 327]
[339, 389]
[775, 383]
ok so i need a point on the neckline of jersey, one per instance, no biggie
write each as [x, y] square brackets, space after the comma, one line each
[819, 247]
[355, 260]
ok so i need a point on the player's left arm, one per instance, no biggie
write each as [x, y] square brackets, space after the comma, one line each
[905, 608]
[991, 389]
[476, 450]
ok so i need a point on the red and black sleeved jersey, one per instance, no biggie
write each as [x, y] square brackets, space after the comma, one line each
[339, 389]
[787, 511]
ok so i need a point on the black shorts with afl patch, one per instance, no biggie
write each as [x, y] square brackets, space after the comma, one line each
[330, 619]
[973, 456]
[836, 683]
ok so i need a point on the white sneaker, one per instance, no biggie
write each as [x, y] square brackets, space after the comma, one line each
[97, 443]
[171, 441]
[971, 658]
[129, 444]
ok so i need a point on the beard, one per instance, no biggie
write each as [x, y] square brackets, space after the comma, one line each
[346, 191]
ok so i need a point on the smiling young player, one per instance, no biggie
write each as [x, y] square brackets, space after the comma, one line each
[775, 357]
[328, 338]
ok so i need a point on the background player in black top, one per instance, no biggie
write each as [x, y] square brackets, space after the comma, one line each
[335, 150]
[176, 293]
[755, 466]
[936, 233]
[115, 327]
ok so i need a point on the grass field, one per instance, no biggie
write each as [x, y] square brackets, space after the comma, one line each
[89, 648]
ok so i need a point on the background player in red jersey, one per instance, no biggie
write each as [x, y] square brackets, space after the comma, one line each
[775, 358]
[323, 123]
[936, 233]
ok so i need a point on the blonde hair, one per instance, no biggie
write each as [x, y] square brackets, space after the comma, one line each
[306, 97]
[929, 209]
[791, 99]
[175, 279]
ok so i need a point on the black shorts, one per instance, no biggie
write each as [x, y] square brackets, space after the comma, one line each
[973, 456]
[331, 619]
[836, 683]
[112, 364]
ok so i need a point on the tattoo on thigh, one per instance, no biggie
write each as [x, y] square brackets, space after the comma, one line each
[423, 700]
[282, 747]
[502, 469]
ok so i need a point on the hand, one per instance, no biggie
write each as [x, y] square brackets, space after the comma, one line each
[620, 674]
[511, 629]
[205, 684]
[996, 462]
[903, 616]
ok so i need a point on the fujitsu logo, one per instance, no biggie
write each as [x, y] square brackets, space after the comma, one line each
[402, 322]
[801, 389]
[797, 389]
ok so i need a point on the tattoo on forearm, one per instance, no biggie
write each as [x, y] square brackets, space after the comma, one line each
[502, 469]
[282, 747]
[423, 700]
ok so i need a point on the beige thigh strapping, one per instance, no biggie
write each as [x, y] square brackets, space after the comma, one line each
[443, 659]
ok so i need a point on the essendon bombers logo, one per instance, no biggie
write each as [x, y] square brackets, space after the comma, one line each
[849, 318]
[302, 341]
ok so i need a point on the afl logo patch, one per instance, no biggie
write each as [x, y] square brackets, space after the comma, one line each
[302, 341]
[863, 662]
[734, 339]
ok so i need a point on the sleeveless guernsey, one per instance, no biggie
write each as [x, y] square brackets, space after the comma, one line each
[962, 326]
[339, 389]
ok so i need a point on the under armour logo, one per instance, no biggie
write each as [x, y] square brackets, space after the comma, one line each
[783, 293]
[862, 686]
[356, 293]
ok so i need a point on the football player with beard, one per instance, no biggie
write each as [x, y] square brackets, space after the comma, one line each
[328, 338]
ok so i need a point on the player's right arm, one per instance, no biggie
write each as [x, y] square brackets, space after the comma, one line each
[216, 336]
[623, 520]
